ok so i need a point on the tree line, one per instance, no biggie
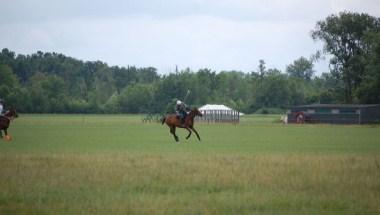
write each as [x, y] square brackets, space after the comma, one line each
[55, 83]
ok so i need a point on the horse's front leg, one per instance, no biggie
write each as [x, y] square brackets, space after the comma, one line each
[189, 133]
[195, 131]
[1, 134]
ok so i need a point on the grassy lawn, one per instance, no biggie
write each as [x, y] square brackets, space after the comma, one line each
[97, 164]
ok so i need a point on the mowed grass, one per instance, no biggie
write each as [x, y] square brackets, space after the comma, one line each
[115, 164]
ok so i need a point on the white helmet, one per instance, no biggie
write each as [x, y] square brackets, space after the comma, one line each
[179, 102]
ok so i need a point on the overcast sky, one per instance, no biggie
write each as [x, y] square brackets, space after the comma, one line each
[215, 34]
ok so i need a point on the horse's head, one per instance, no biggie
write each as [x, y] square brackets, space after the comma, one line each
[11, 113]
[196, 112]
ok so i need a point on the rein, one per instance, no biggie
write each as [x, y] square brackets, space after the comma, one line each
[191, 114]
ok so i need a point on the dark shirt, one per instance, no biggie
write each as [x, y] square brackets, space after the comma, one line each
[180, 108]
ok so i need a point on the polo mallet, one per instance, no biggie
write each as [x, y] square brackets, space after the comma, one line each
[187, 94]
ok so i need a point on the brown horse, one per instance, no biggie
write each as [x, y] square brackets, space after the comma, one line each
[173, 121]
[6, 120]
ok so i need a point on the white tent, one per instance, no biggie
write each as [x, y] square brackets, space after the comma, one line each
[218, 113]
[214, 107]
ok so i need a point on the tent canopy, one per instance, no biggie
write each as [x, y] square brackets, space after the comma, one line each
[214, 107]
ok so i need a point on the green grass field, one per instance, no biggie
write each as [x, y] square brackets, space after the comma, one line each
[115, 164]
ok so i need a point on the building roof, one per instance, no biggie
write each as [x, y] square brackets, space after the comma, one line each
[214, 107]
[336, 106]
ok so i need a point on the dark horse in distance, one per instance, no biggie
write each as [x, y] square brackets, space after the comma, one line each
[173, 121]
[5, 120]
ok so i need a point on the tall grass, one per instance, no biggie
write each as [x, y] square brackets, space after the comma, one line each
[117, 165]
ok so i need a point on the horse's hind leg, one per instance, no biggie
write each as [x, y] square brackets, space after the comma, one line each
[1, 134]
[172, 131]
[189, 133]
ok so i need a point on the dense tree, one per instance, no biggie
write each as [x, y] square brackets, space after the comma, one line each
[7, 57]
[329, 89]
[205, 85]
[273, 91]
[369, 89]
[136, 99]
[124, 77]
[262, 68]
[301, 68]
[344, 38]
[10, 89]
[8, 78]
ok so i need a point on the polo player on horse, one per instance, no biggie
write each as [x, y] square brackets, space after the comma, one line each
[183, 118]
[181, 110]
[5, 119]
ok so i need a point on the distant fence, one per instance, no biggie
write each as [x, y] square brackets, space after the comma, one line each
[152, 118]
[219, 116]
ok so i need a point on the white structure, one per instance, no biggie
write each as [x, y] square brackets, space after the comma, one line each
[218, 113]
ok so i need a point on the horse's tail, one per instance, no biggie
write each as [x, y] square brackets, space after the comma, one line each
[163, 120]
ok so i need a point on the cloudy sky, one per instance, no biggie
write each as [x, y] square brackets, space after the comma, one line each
[215, 34]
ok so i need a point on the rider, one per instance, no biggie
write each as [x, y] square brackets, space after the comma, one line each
[1, 107]
[181, 110]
